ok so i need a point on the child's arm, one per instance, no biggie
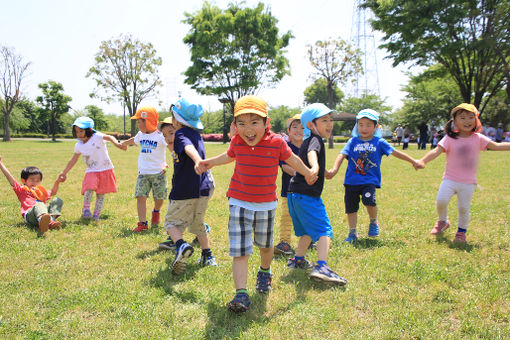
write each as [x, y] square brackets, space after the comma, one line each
[192, 153]
[405, 157]
[63, 175]
[204, 165]
[338, 162]
[431, 155]
[115, 142]
[7, 174]
[296, 163]
[128, 142]
[504, 146]
[288, 169]
[54, 190]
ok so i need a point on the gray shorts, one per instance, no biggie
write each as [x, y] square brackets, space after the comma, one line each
[242, 222]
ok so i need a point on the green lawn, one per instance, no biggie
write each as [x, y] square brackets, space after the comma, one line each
[101, 280]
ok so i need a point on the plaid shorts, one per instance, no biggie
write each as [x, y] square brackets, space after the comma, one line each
[242, 222]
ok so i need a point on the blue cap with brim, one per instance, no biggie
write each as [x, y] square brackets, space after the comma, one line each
[312, 112]
[188, 114]
[84, 123]
[370, 114]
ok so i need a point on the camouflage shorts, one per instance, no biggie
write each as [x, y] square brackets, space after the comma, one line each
[157, 182]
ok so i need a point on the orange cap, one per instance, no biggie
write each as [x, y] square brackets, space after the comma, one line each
[150, 115]
[250, 104]
[469, 108]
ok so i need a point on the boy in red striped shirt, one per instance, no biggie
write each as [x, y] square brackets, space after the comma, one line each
[252, 192]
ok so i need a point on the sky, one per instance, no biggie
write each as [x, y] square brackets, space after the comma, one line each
[61, 37]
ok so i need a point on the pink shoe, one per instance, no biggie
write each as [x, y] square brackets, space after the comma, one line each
[439, 227]
[460, 237]
[141, 227]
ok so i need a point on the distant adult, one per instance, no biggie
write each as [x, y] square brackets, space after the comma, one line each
[399, 131]
[424, 129]
[490, 132]
[500, 133]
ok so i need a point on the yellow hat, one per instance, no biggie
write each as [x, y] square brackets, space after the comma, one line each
[167, 120]
[293, 118]
[150, 115]
[250, 104]
[469, 108]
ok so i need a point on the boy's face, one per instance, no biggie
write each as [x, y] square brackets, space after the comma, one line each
[296, 131]
[32, 180]
[141, 125]
[168, 130]
[323, 126]
[366, 128]
[251, 128]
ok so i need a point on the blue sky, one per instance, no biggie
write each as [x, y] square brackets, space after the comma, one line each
[61, 37]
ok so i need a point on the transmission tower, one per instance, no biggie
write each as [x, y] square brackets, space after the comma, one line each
[362, 36]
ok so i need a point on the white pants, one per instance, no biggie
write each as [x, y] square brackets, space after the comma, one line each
[464, 193]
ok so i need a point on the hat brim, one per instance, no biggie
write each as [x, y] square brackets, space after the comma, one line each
[250, 110]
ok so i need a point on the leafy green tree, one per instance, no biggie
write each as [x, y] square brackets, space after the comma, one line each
[461, 35]
[337, 62]
[213, 121]
[279, 116]
[235, 51]
[30, 112]
[97, 115]
[366, 101]
[126, 69]
[12, 72]
[17, 120]
[318, 93]
[53, 104]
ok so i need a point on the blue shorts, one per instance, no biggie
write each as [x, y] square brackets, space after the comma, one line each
[354, 192]
[309, 216]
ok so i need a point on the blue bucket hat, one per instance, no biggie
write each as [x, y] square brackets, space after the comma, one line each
[370, 114]
[188, 114]
[84, 123]
[312, 112]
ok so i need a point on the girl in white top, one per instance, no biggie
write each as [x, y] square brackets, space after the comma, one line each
[462, 145]
[99, 175]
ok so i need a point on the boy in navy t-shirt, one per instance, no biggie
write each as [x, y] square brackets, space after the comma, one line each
[364, 152]
[190, 192]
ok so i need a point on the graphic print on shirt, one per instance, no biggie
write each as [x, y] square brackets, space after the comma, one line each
[363, 162]
[148, 145]
[465, 157]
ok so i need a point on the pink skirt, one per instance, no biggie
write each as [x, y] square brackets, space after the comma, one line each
[102, 182]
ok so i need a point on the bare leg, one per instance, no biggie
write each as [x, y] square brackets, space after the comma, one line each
[240, 271]
[141, 205]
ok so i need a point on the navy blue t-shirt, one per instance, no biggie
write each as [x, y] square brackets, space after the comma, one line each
[186, 183]
[285, 176]
[298, 183]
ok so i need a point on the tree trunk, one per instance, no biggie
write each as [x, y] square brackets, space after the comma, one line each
[7, 130]
[331, 106]
[53, 139]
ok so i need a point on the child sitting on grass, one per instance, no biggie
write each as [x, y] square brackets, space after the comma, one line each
[33, 197]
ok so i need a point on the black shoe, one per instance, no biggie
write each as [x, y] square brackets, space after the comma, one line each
[283, 248]
[167, 245]
[263, 282]
[240, 303]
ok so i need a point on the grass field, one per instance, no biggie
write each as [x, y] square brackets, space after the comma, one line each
[102, 280]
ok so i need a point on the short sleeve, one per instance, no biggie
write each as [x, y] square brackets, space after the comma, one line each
[230, 151]
[77, 148]
[444, 143]
[386, 148]
[347, 147]
[285, 151]
[484, 141]
[137, 138]
[314, 145]
[180, 142]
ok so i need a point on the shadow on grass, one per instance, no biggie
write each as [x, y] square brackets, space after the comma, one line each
[126, 232]
[459, 246]
[165, 280]
[226, 324]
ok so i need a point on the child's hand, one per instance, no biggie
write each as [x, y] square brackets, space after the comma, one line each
[329, 174]
[202, 166]
[122, 146]
[312, 177]
[418, 164]
[61, 177]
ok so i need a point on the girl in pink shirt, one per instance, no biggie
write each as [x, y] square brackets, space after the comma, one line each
[462, 145]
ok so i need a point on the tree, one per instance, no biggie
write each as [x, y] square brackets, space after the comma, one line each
[318, 93]
[97, 115]
[366, 101]
[460, 35]
[279, 116]
[126, 69]
[53, 104]
[337, 62]
[12, 70]
[234, 52]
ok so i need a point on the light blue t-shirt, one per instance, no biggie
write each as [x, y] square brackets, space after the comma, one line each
[364, 166]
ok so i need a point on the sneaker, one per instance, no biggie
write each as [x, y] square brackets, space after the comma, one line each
[44, 223]
[142, 226]
[325, 274]
[86, 214]
[353, 237]
[95, 217]
[439, 227]
[207, 261]
[179, 264]
[312, 245]
[240, 303]
[156, 215]
[373, 229]
[54, 225]
[303, 264]
[460, 237]
[283, 248]
[167, 245]
[263, 282]
[195, 242]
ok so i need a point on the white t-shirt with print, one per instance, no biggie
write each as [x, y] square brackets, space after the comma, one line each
[94, 153]
[152, 159]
